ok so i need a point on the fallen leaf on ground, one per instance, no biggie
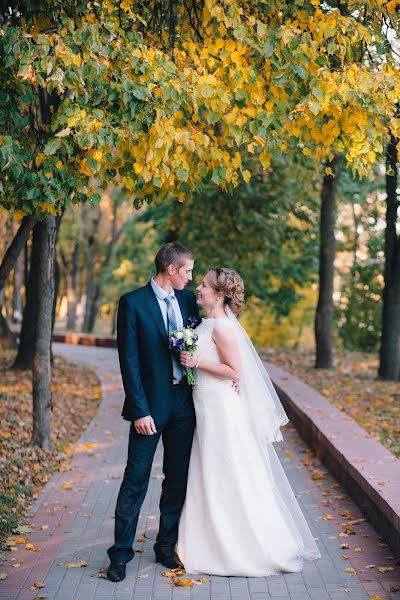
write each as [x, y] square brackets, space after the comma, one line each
[318, 474]
[141, 576]
[173, 573]
[37, 585]
[203, 580]
[350, 570]
[3, 576]
[385, 569]
[184, 582]
[32, 547]
[76, 565]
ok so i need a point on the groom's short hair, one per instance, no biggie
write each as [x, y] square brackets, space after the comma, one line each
[172, 254]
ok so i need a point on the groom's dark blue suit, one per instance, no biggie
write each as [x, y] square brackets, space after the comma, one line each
[146, 368]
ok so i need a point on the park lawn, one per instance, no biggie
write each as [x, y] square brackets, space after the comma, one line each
[24, 470]
[352, 387]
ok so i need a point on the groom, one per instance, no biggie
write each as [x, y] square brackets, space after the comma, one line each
[158, 404]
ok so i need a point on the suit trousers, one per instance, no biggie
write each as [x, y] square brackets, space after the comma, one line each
[177, 436]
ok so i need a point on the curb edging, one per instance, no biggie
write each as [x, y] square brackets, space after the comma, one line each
[369, 472]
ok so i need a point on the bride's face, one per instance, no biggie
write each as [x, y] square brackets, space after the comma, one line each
[207, 296]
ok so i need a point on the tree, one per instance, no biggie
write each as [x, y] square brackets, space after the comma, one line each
[389, 366]
[158, 102]
[324, 312]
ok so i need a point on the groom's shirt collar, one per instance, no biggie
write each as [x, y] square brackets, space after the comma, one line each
[161, 295]
[159, 292]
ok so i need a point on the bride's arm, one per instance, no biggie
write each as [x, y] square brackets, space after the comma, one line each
[228, 350]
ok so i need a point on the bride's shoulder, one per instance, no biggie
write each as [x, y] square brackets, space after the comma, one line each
[223, 326]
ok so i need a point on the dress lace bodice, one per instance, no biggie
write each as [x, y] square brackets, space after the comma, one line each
[207, 349]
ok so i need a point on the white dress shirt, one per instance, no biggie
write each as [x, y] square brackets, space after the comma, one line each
[160, 295]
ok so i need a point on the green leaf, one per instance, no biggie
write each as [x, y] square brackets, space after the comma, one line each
[139, 91]
[182, 174]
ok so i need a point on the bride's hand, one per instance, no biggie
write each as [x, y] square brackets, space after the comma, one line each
[187, 360]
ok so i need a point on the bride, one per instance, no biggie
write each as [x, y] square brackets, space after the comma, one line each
[240, 515]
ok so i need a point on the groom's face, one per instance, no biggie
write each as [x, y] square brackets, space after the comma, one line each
[181, 276]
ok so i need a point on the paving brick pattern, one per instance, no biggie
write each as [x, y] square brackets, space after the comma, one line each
[78, 507]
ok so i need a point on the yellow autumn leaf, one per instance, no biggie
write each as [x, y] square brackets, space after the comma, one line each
[97, 155]
[91, 17]
[39, 159]
[3, 576]
[63, 133]
[246, 176]
[265, 160]
[84, 168]
[173, 573]
[48, 208]
[37, 585]
[58, 164]
[76, 565]
[350, 570]
[32, 547]
[19, 214]
[184, 582]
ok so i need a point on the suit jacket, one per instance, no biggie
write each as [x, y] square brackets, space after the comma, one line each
[144, 354]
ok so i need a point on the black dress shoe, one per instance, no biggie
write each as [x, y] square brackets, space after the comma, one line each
[116, 571]
[169, 558]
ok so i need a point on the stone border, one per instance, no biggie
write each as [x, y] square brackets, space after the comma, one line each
[85, 339]
[368, 471]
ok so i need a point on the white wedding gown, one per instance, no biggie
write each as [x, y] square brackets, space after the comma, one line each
[240, 515]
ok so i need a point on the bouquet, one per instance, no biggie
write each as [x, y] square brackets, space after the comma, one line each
[185, 338]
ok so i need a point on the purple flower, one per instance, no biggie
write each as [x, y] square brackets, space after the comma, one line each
[193, 321]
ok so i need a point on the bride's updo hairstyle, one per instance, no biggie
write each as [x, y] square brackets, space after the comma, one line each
[231, 284]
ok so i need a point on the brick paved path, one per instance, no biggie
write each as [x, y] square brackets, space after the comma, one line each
[78, 506]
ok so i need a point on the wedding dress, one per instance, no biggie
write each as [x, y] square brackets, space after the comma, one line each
[240, 515]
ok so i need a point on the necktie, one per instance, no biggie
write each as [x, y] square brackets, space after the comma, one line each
[172, 325]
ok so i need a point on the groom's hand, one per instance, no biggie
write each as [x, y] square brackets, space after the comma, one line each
[145, 426]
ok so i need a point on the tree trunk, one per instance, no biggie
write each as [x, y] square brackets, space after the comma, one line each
[7, 338]
[324, 313]
[389, 365]
[90, 283]
[17, 285]
[71, 278]
[14, 249]
[41, 371]
[24, 356]
[94, 289]
[114, 318]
